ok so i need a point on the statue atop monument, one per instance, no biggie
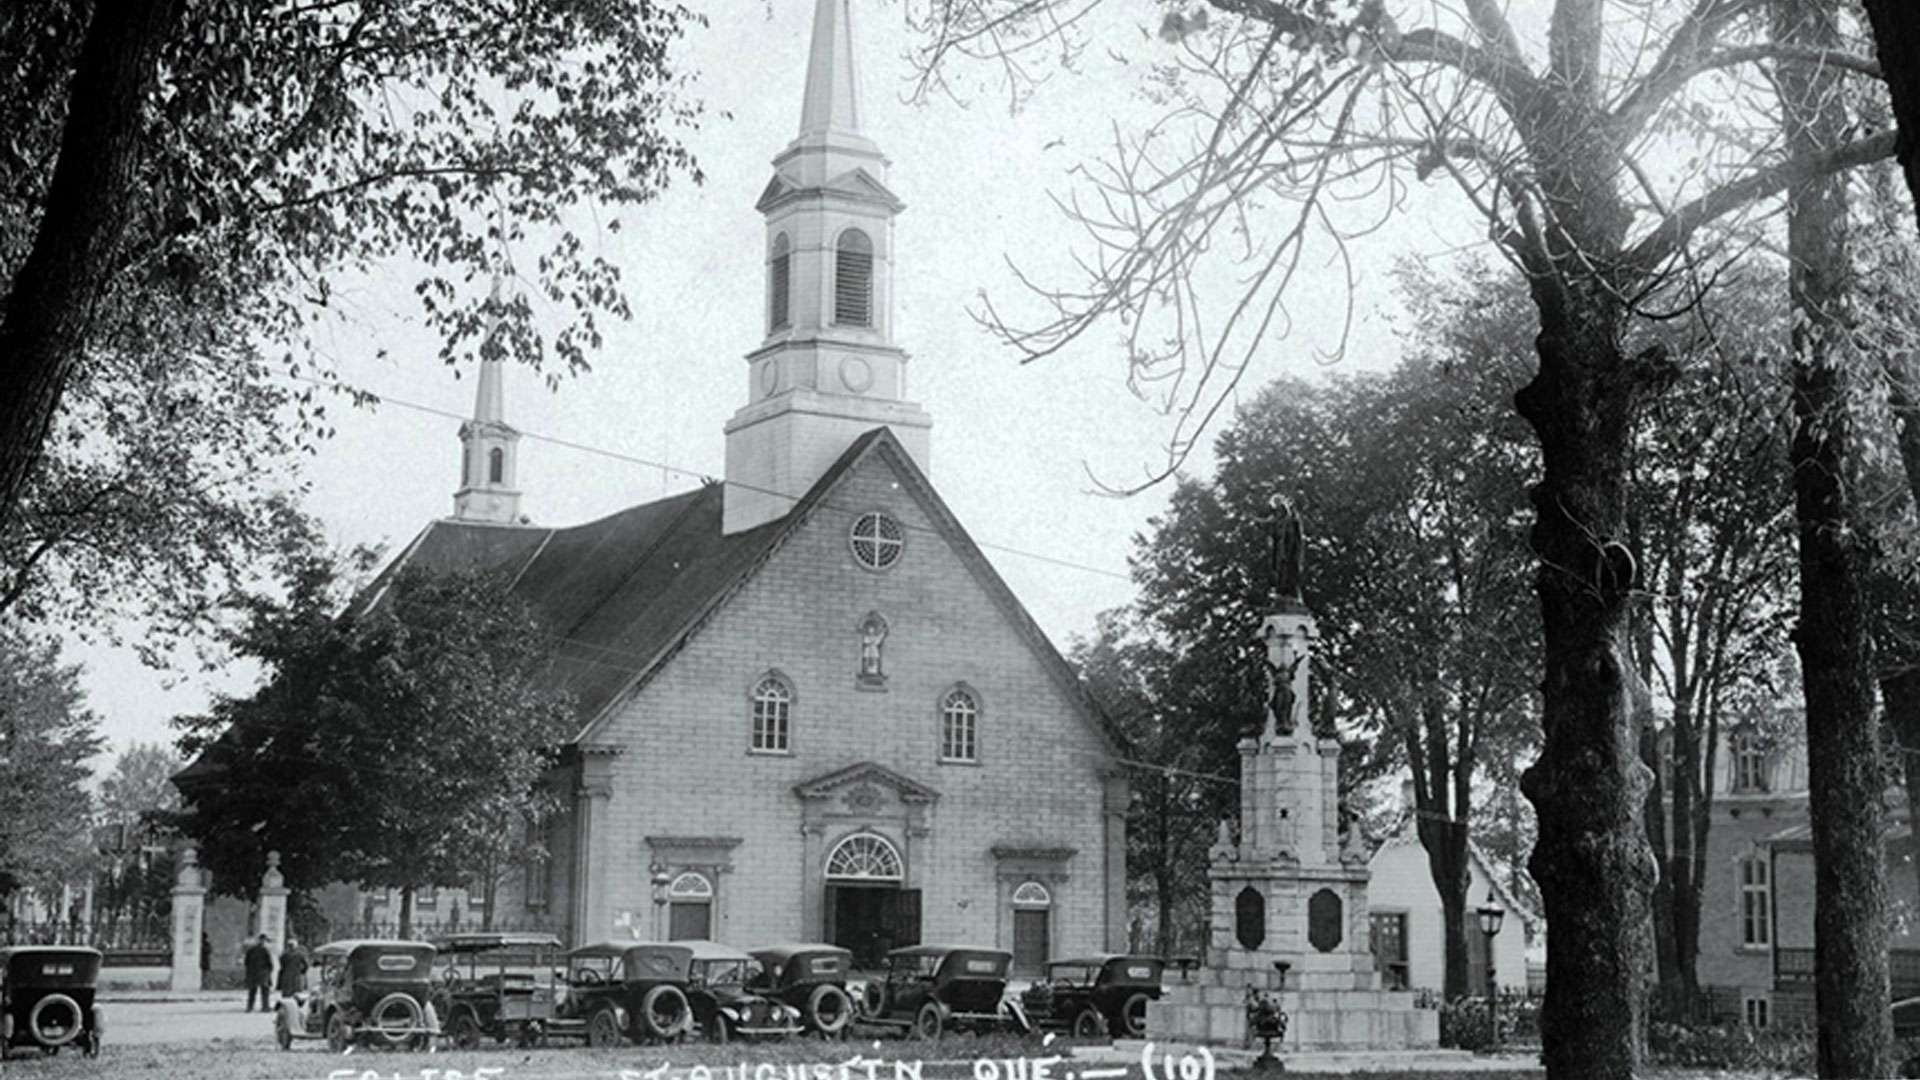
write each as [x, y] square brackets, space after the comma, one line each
[1286, 551]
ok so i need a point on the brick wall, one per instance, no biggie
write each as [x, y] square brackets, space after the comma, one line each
[685, 769]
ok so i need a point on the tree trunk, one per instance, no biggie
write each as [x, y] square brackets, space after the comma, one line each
[1900, 693]
[1843, 766]
[44, 325]
[1588, 786]
[406, 913]
[1896, 36]
[1446, 844]
[1667, 962]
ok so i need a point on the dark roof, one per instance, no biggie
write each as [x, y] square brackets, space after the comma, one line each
[623, 593]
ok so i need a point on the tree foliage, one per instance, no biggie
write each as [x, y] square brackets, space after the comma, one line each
[185, 184]
[1412, 502]
[1292, 129]
[389, 744]
[46, 736]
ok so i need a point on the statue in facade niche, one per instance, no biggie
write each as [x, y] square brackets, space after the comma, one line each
[1286, 549]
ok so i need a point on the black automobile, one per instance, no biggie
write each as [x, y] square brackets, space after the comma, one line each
[619, 990]
[47, 998]
[496, 986]
[929, 989]
[724, 988]
[369, 992]
[1095, 996]
[811, 978]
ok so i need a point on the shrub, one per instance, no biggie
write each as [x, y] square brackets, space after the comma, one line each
[1729, 1046]
[1464, 1026]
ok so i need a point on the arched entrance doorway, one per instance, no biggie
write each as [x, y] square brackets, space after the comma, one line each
[867, 910]
[1032, 937]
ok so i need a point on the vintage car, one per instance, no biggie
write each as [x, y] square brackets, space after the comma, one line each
[619, 990]
[811, 978]
[46, 998]
[497, 986]
[658, 991]
[928, 989]
[367, 992]
[1095, 996]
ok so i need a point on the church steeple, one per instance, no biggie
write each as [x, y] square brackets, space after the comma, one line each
[828, 370]
[488, 448]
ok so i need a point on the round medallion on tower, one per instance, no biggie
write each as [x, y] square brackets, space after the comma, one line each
[856, 374]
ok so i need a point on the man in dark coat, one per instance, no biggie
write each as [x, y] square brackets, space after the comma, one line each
[259, 973]
[293, 970]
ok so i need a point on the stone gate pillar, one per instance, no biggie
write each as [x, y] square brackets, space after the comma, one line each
[189, 922]
[273, 906]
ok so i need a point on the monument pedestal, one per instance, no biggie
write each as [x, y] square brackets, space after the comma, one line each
[1287, 898]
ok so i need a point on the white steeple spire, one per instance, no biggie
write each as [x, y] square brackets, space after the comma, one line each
[828, 371]
[832, 105]
[489, 445]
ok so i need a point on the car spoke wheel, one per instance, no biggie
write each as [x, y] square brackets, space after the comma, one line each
[1089, 1024]
[720, 1031]
[829, 1009]
[339, 1036]
[927, 1023]
[1133, 1016]
[464, 1031]
[603, 1028]
[282, 1033]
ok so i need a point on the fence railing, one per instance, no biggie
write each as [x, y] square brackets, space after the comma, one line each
[120, 935]
[339, 930]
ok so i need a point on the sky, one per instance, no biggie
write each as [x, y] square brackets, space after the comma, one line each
[1019, 451]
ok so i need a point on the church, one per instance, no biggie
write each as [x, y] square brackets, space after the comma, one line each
[809, 708]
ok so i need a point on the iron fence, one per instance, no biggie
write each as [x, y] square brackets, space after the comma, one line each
[150, 935]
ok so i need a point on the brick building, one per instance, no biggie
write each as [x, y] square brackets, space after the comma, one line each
[809, 707]
[1756, 920]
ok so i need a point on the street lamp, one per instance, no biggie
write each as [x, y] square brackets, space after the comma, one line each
[1491, 916]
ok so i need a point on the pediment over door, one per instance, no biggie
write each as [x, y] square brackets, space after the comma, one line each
[867, 791]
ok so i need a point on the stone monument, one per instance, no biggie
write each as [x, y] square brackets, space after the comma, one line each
[1289, 903]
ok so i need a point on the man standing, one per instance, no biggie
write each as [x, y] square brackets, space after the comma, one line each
[259, 972]
[293, 969]
[206, 961]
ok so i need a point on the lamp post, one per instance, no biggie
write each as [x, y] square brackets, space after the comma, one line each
[660, 880]
[1491, 916]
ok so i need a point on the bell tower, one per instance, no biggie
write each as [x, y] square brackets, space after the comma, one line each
[488, 449]
[828, 369]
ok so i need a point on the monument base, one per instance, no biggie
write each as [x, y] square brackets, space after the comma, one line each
[1212, 1008]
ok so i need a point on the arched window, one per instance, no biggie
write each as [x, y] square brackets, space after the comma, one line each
[779, 283]
[959, 726]
[496, 466]
[771, 702]
[689, 907]
[1032, 894]
[853, 280]
[864, 857]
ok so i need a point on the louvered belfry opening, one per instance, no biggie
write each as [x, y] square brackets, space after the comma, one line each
[779, 284]
[853, 280]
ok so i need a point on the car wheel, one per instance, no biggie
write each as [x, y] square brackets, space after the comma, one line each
[463, 1031]
[720, 1031]
[1133, 1016]
[282, 1033]
[664, 1012]
[55, 1020]
[397, 1019]
[339, 1036]
[1089, 1024]
[829, 1009]
[603, 1028]
[927, 1023]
